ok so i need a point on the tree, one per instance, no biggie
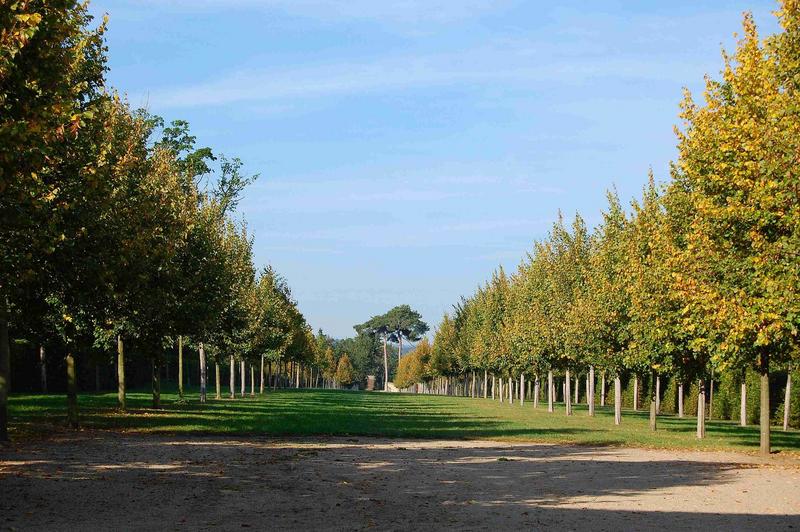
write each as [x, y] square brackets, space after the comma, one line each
[345, 375]
[403, 322]
[738, 162]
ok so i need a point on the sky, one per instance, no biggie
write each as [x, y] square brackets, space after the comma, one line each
[408, 148]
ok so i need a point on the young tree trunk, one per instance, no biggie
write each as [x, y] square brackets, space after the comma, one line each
[603, 389]
[494, 382]
[202, 352]
[567, 394]
[72, 392]
[653, 404]
[385, 367]
[787, 400]
[658, 394]
[577, 389]
[485, 384]
[510, 390]
[701, 410]
[180, 366]
[252, 381]
[217, 381]
[43, 367]
[120, 373]
[261, 386]
[711, 396]
[617, 400]
[635, 393]
[232, 379]
[156, 366]
[521, 389]
[500, 388]
[243, 377]
[764, 404]
[590, 392]
[680, 400]
[743, 400]
[550, 391]
[5, 369]
[536, 392]
[269, 375]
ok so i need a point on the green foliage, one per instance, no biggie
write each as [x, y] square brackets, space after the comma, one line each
[345, 374]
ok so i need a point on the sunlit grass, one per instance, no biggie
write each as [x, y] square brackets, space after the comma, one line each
[329, 412]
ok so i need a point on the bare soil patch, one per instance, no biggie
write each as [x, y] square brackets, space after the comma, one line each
[113, 481]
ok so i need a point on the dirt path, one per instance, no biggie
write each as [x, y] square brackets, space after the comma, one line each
[108, 481]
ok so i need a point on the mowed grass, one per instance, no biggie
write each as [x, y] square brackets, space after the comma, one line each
[331, 412]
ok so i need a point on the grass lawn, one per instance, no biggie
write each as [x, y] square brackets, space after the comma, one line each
[329, 412]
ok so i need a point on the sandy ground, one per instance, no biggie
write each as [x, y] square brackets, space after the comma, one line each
[111, 481]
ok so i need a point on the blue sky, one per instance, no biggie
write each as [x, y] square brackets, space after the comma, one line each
[406, 149]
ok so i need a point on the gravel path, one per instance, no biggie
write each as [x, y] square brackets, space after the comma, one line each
[112, 481]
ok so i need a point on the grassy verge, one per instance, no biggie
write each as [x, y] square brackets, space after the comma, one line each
[328, 412]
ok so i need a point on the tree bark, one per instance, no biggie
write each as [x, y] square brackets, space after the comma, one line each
[252, 381]
[764, 404]
[701, 410]
[385, 367]
[658, 394]
[510, 390]
[635, 393]
[5, 369]
[617, 400]
[680, 400]
[787, 401]
[550, 391]
[494, 383]
[217, 381]
[521, 389]
[590, 392]
[261, 390]
[156, 384]
[72, 392]
[202, 353]
[180, 366]
[120, 373]
[536, 392]
[244, 378]
[743, 400]
[43, 368]
[603, 389]
[577, 389]
[500, 388]
[473, 391]
[654, 404]
[232, 380]
[567, 394]
[485, 383]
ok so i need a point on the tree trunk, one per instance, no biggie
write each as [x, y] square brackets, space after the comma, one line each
[5, 369]
[473, 391]
[252, 381]
[701, 410]
[156, 366]
[590, 392]
[399, 347]
[485, 384]
[261, 387]
[617, 400]
[43, 368]
[232, 380]
[500, 388]
[120, 373]
[72, 392]
[658, 394]
[536, 392]
[654, 404]
[243, 375]
[764, 404]
[180, 366]
[521, 389]
[567, 394]
[635, 393]
[743, 400]
[385, 367]
[787, 400]
[217, 381]
[577, 389]
[603, 389]
[711, 396]
[494, 383]
[203, 380]
[680, 400]
[269, 375]
[550, 391]
[510, 390]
